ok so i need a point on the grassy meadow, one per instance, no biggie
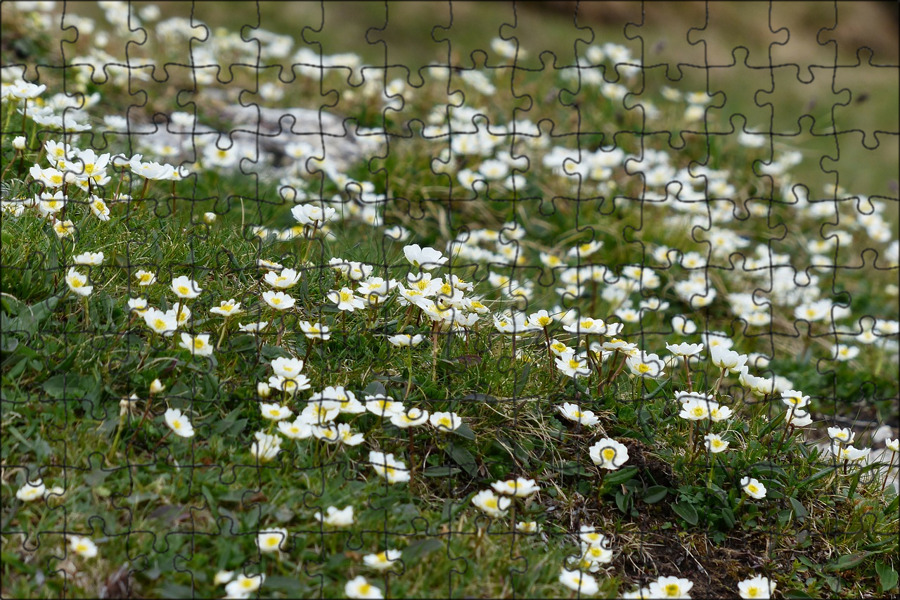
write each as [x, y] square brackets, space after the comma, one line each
[541, 329]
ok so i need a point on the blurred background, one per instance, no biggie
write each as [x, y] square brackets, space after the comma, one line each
[835, 64]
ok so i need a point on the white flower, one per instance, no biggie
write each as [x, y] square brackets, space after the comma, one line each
[243, 586]
[596, 554]
[385, 465]
[590, 536]
[646, 365]
[223, 577]
[296, 430]
[727, 359]
[278, 300]
[310, 214]
[32, 490]
[78, 282]
[336, 517]
[185, 287]
[410, 418]
[572, 366]
[253, 327]
[227, 308]
[519, 487]
[89, 258]
[289, 385]
[583, 583]
[609, 454]
[197, 345]
[404, 339]
[893, 445]
[271, 540]
[348, 437]
[423, 258]
[287, 367]
[696, 409]
[145, 277]
[346, 300]
[528, 527]
[283, 280]
[266, 447]
[358, 587]
[490, 503]
[756, 587]
[179, 423]
[383, 560]
[383, 407]
[314, 331]
[138, 305]
[715, 443]
[274, 412]
[794, 399]
[684, 349]
[445, 421]
[841, 436]
[159, 321]
[574, 413]
[83, 546]
[670, 587]
[753, 488]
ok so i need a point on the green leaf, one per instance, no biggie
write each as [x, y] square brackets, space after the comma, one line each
[771, 425]
[847, 561]
[728, 518]
[686, 511]
[417, 550]
[465, 431]
[655, 494]
[623, 501]
[816, 477]
[799, 510]
[521, 379]
[796, 594]
[619, 476]
[31, 316]
[463, 458]
[441, 471]
[71, 387]
[887, 576]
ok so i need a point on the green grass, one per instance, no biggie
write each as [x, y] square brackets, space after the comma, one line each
[176, 511]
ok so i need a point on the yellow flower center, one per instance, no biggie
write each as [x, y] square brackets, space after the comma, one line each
[698, 411]
[183, 290]
[672, 590]
[491, 502]
[644, 368]
[176, 424]
[198, 344]
[609, 453]
[752, 488]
